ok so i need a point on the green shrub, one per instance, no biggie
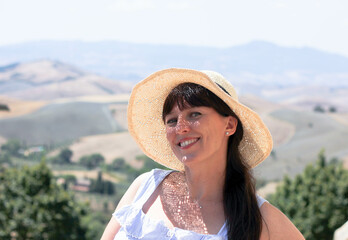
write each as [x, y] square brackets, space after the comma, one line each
[317, 200]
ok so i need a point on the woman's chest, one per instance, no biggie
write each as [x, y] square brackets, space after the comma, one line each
[179, 211]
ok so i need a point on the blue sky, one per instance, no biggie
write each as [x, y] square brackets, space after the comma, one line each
[321, 24]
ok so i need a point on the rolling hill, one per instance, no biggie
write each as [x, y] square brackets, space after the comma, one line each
[60, 123]
[47, 80]
[313, 132]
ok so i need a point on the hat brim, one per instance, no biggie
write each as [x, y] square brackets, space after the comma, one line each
[145, 116]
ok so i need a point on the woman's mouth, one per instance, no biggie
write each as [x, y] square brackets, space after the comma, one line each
[187, 142]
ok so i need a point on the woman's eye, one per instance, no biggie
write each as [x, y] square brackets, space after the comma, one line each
[195, 114]
[171, 121]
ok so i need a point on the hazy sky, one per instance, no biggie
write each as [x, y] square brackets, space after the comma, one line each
[322, 24]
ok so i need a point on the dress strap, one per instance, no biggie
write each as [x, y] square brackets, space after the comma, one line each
[260, 200]
[149, 185]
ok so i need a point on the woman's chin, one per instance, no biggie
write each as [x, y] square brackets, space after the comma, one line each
[188, 159]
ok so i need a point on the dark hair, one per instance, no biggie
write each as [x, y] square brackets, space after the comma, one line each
[244, 220]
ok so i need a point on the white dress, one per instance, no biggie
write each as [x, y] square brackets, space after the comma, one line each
[135, 224]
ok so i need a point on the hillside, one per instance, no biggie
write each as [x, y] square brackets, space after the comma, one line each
[60, 123]
[313, 132]
[47, 80]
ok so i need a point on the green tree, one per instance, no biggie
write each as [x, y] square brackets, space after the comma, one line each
[92, 161]
[69, 179]
[317, 200]
[118, 164]
[33, 206]
[4, 107]
[319, 108]
[332, 109]
[102, 186]
[12, 147]
[65, 155]
[5, 158]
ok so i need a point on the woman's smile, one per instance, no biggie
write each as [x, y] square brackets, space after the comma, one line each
[186, 143]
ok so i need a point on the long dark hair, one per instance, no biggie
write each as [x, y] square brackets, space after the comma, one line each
[244, 220]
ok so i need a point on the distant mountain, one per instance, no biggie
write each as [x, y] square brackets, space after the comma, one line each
[46, 80]
[131, 61]
[298, 76]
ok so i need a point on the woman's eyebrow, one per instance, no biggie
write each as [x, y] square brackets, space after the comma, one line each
[168, 114]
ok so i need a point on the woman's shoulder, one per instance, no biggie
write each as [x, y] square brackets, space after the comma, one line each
[276, 225]
[131, 192]
[153, 177]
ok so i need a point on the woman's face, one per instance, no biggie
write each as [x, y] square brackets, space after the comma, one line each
[198, 133]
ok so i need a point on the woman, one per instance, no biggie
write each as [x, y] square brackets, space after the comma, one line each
[192, 122]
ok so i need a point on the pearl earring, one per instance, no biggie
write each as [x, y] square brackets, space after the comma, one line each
[227, 133]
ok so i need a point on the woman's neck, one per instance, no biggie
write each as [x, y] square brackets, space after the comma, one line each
[205, 184]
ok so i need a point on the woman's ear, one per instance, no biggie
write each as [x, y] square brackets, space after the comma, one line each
[231, 125]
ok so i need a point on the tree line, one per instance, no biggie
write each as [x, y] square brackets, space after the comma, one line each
[34, 206]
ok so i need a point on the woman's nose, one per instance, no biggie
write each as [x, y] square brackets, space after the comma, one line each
[182, 126]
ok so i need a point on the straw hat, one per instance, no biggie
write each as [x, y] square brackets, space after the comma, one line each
[145, 116]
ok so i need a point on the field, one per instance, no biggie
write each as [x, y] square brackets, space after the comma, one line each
[111, 146]
[313, 132]
[19, 107]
